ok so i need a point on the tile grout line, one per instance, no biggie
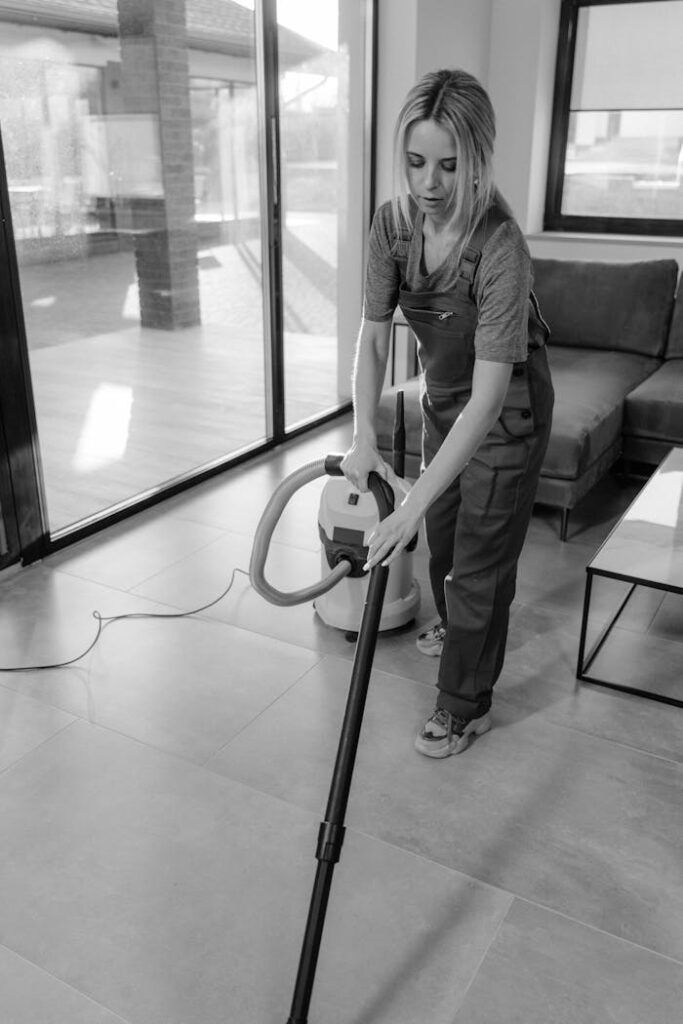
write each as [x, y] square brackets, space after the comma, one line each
[600, 931]
[66, 984]
[516, 896]
[359, 832]
[39, 746]
[584, 732]
[513, 896]
[247, 725]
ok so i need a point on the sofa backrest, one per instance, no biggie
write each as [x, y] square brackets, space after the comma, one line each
[620, 306]
[674, 345]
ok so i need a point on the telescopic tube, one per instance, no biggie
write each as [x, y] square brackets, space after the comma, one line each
[331, 834]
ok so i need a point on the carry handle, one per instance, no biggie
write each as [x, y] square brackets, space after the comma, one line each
[380, 488]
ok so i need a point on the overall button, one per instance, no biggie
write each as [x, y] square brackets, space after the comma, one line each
[526, 414]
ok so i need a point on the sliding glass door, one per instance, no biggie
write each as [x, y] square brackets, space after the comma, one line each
[323, 128]
[134, 142]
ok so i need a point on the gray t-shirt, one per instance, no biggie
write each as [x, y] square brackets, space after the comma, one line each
[501, 287]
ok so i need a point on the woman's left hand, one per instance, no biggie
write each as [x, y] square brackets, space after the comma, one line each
[391, 536]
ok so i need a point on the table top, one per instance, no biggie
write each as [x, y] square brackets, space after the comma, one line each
[646, 545]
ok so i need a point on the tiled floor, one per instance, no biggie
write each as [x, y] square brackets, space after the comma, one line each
[160, 798]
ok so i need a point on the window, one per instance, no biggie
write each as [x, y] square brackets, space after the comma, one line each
[181, 254]
[616, 149]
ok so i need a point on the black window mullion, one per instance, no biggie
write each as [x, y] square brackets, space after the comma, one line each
[566, 47]
[271, 214]
[23, 509]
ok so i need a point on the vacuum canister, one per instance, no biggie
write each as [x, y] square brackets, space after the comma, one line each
[346, 520]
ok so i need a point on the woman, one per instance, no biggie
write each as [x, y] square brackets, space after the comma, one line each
[448, 252]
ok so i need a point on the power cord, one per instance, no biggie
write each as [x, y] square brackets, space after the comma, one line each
[106, 620]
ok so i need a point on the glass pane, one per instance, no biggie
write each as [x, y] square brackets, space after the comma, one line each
[625, 163]
[132, 158]
[321, 64]
[625, 138]
[628, 56]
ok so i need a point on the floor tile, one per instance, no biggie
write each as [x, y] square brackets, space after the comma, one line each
[643, 661]
[206, 573]
[540, 674]
[47, 616]
[169, 894]
[545, 969]
[557, 816]
[238, 503]
[183, 685]
[134, 550]
[30, 996]
[668, 622]
[553, 575]
[594, 516]
[25, 724]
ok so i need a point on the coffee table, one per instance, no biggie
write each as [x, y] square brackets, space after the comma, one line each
[644, 549]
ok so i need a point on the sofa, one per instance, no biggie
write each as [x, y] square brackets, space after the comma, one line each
[616, 358]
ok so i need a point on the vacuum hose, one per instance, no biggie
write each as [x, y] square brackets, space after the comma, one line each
[329, 466]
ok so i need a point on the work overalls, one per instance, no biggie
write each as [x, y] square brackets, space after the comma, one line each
[476, 528]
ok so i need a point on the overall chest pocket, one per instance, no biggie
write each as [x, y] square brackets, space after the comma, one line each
[430, 316]
[445, 342]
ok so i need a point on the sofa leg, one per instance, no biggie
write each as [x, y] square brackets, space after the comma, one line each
[564, 523]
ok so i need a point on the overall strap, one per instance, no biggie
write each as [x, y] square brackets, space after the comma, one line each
[471, 254]
[401, 244]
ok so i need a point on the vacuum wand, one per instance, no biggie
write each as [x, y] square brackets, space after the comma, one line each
[331, 833]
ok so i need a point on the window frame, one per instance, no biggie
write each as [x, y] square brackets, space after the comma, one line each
[554, 219]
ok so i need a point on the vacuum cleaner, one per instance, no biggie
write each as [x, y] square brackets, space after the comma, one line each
[345, 526]
[345, 521]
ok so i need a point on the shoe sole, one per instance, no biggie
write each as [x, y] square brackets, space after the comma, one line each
[432, 651]
[456, 744]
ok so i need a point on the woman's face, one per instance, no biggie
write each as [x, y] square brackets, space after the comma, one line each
[431, 163]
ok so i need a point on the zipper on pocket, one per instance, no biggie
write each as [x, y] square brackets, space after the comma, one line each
[439, 314]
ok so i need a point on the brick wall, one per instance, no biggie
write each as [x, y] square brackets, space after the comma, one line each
[155, 81]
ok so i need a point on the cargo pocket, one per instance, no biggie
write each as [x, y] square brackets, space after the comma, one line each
[517, 417]
[494, 477]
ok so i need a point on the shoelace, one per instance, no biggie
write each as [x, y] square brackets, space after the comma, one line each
[445, 720]
[442, 719]
[435, 633]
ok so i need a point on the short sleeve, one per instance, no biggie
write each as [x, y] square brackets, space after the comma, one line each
[383, 276]
[502, 288]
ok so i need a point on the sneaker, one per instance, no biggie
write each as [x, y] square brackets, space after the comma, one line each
[431, 642]
[444, 734]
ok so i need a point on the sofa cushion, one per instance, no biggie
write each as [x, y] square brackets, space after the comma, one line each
[655, 408]
[589, 399]
[587, 419]
[674, 345]
[621, 306]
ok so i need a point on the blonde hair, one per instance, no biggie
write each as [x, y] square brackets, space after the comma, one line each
[458, 103]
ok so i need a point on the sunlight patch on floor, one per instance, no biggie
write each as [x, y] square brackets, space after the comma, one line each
[104, 436]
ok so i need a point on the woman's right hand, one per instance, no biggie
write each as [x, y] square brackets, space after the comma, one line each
[362, 458]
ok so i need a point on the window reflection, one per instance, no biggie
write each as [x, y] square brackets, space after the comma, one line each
[130, 133]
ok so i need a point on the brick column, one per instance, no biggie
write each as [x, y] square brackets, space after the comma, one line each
[155, 81]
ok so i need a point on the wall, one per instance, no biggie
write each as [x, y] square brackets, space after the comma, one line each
[523, 45]
[415, 36]
[511, 46]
